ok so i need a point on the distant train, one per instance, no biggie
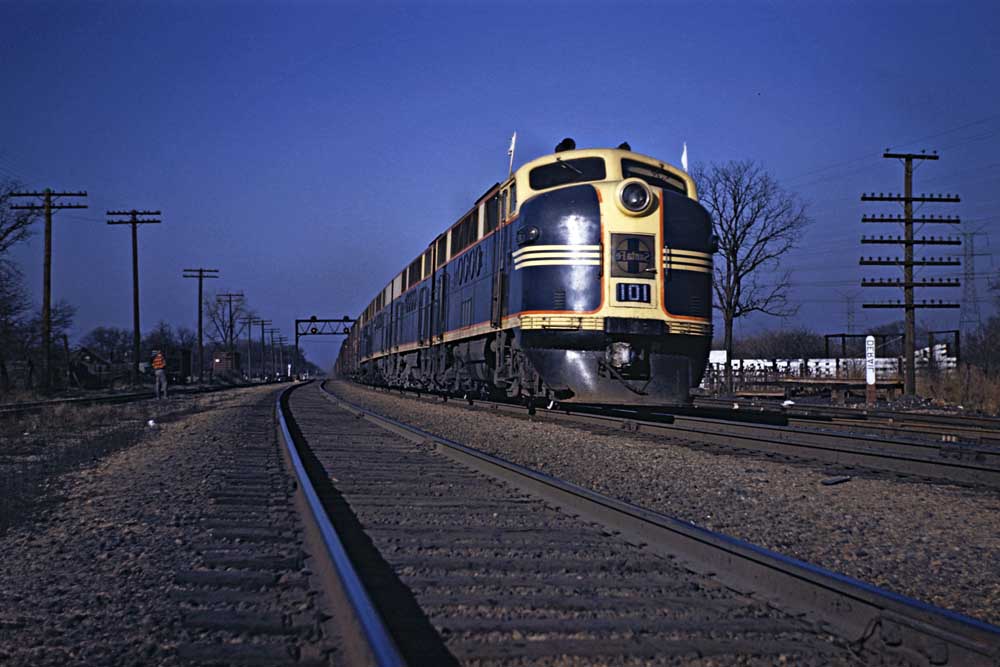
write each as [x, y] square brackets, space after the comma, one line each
[585, 277]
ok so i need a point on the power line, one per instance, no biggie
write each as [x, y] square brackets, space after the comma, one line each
[868, 156]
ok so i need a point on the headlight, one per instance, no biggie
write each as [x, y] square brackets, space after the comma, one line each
[635, 197]
[619, 355]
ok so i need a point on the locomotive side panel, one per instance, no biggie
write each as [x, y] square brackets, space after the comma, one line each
[687, 250]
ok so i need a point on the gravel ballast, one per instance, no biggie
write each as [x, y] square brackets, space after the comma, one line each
[96, 575]
[934, 542]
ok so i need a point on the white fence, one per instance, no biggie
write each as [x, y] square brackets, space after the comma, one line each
[764, 370]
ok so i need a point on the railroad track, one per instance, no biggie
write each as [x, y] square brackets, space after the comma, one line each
[244, 592]
[468, 558]
[963, 463]
[957, 462]
[964, 428]
[31, 407]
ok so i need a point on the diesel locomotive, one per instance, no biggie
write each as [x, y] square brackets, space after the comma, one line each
[585, 277]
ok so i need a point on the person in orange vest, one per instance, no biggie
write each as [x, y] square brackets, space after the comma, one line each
[160, 368]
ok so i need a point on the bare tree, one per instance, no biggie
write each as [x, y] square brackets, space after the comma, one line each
[757, 222]
[218, 315]
[15, 226]
[111, 343]
[792, 343]
[30, 334]
[186, 338]
[14, 306]
[161, 337]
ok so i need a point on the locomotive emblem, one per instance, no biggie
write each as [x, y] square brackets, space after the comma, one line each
[633, 255]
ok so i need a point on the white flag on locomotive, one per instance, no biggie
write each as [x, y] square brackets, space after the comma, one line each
[684, 157]
[510, 152]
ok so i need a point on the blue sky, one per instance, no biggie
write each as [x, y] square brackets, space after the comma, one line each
[309, 150]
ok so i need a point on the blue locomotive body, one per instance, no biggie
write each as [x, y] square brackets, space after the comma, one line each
[595, 288]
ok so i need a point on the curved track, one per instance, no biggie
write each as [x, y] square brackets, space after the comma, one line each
[531, 567]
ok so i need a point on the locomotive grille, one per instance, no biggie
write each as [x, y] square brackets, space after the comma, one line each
[559, 299]
[466, 314]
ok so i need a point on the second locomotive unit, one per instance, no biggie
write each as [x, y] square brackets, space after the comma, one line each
[585, 277]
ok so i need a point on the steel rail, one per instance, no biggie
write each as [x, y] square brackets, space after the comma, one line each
[902, 428]
[375, 646]
[948, 461]
[29, 407]
[976, 427]
[967, 464]
[865, 614]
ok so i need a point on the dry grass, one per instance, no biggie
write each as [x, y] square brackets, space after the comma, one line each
[36, 448]
[14, 396]
[79, 418]
[968, 387]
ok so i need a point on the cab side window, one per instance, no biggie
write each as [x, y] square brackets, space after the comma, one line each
[492, 214]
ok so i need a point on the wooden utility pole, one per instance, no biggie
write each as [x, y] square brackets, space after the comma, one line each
[908, 242]
[201, 274]
[282, 344]
[134, 220]
[48, 205]
[249, 322]
[274, 353]
[263, 348]
[231, 331]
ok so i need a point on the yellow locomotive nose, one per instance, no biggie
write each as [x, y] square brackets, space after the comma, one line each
[632, 236]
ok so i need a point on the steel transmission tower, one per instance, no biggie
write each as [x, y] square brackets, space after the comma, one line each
[972, 318]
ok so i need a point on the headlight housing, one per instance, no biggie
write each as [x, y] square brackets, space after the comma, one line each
[634, 197]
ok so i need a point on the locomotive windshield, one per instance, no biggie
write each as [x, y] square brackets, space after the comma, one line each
[562, 172]
[652, 175]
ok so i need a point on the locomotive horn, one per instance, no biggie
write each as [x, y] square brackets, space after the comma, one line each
[566, 144]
